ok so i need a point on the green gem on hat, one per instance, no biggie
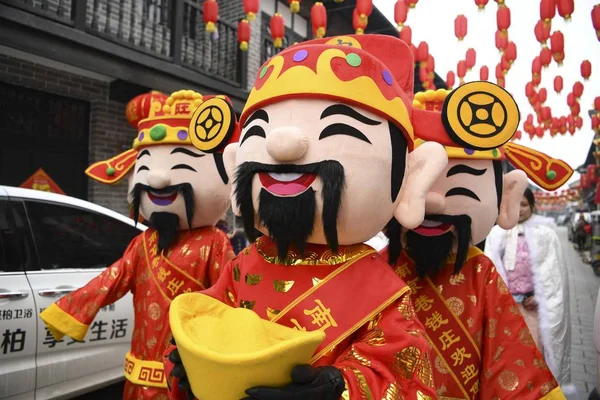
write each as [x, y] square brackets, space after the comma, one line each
[110, 171]
[551, 175]
[159, 132]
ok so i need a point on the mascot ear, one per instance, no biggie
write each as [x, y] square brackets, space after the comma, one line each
[425, 164]
[514, 186]
[229, 155]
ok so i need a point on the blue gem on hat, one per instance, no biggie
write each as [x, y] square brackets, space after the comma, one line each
[387, 77]
[300, 55]
[182, 135]
[141, 136]
[470, 151]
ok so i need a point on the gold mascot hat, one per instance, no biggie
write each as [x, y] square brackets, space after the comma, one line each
[208, 123]
[227, 350]
[476, 121]
[374, 72]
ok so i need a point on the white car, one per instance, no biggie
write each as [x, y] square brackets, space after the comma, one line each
[51, 245]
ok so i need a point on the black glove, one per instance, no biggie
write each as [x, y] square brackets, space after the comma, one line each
[179, 373]
[308, 382]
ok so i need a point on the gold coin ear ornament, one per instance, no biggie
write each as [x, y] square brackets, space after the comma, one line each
[480, 116]
[212, 125]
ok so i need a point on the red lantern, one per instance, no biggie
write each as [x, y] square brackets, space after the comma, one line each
[547, 10]
[578, 89]
[557, 42]
[504, 63]
[545, 57]
[406, 35]
[294, 6]
[596, 19]
[539, 132]
[461, 70]
[517, 135]
[277, 26]
[591, 173]
[251, 8]
[501, 82]
[558, 84]
[571, 100]
[470, 58]
[501, 41]
[575, 110]
[586, 69]
[584, 182]
[450, 79]
[597, 104]
[536, 66]
[595, 122]
[358, 23]
[529, 90]
[499, 72]
[559, 57]
[579, 122]
[565, 8]
[243, 34]
[318, 19]
[536, 79]
[423, 52]
[484, 73]
[546, 114]
[364, 9]
[543, 95]
[211, 14]
[503, 19]
[423, 74]
[460, 27]
[542, 32]
[430, 64]
[481, 4]
[511, 52]
[400, 13]
[138, 108]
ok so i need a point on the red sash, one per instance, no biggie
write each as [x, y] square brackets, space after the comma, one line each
[447, 334]
[344, 301]
[169, 278]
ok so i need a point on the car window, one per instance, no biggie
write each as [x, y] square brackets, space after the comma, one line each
[68, 237]
[16, 247]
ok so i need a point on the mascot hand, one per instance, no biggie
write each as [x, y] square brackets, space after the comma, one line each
[178, 373]
[308, 382]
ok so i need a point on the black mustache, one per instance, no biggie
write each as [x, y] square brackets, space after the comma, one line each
[252, 167]
[186, 190]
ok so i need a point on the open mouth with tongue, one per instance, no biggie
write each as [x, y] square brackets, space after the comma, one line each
[163, 197]
[432, 228]
[286, 184]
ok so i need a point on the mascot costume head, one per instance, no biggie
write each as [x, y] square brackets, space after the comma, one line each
[324, 155]
[474, 123]
[178, 178]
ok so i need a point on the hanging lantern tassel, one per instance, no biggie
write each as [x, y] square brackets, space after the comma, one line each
[277, 26]
[251, 8]
[211, 15]
[318, 19]
[357, 23]
[243, 34]
[294, 6]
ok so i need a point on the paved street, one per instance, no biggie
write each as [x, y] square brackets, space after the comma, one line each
[584, 289]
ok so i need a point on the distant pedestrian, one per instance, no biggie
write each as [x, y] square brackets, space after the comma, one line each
[530, 259]
[580, 233]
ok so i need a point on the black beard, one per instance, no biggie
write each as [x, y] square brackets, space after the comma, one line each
[167, 224]
[431, 252]
[290, 220]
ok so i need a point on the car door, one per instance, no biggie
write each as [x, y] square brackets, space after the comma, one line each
[74, 246]
[18, 324]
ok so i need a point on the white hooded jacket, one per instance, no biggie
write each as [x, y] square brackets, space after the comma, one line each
[551, 287]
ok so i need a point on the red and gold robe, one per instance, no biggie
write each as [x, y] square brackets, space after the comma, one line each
[482, 348]
[192, 263]
[383, 355]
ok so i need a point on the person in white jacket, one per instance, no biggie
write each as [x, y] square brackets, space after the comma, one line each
[530, 259]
